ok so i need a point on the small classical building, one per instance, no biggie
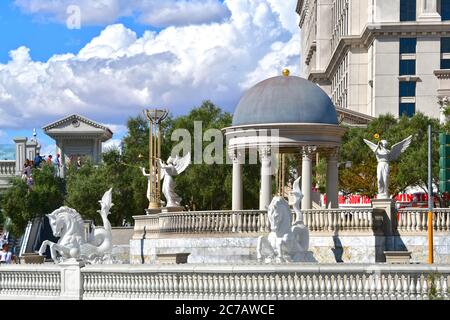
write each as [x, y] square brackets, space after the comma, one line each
[77, 136]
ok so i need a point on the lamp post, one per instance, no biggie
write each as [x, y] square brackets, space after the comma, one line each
[155, 117]
[430, 197]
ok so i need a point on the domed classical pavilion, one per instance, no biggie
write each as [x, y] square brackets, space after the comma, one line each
[280, 115]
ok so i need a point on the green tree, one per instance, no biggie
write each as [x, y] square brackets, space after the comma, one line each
[208, 186]
[22, 204]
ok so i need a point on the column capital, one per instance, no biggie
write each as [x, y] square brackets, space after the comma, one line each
[333, 153]
[265, 153]
[308, 151]
[236, 155]
[444, 101]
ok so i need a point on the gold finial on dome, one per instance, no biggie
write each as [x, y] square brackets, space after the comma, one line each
[286, 72]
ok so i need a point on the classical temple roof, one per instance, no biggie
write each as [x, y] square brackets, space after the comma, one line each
[77, 125]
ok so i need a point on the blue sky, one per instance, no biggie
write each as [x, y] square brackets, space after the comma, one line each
[46, 38]
[135, 54]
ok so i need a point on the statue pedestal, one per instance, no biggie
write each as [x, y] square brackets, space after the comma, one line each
[388, 206]
[172, 209]
[71, 278]
[153, 211]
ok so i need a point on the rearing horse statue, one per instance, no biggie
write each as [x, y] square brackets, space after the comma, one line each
[67, 224]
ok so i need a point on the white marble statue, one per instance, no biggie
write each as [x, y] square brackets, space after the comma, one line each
[384, 157]
[67, 224]
[286, 242]
[174, 166]
[148, 176]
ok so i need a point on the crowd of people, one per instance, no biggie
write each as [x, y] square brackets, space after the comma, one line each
[40, 161]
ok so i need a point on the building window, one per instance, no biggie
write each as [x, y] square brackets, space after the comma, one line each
[407, 109]
[408, 45]
[445, 10]
[407, 67]
[407, 89]
[407, 95]
[407, 10]
[445, 53]
[408, 56]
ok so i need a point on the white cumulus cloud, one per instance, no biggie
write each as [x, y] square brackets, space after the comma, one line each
[117, 73]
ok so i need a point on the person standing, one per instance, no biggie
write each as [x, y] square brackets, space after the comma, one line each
[6, 256]
[57, 164]
[50, 160]
[37, 160]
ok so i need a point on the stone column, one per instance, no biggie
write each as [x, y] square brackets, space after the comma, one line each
[20, 153]
[100, 150]
[95, 151]
[238, 202]
[307, 176]
[428, 11]
[265, 194]
[333, 180]
[61, 151]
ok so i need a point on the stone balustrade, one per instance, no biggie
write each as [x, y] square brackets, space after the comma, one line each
[253, 221]
[227, 281]
[256, 222]
[416, 220]
[275, 282]
[364, 220]
[30, 282]
[7, 168]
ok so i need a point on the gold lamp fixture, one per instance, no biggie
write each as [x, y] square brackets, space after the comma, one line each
[155, 117]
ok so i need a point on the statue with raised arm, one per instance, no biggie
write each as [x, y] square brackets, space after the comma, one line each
[384, 157]
[173, 167]
[148, 176]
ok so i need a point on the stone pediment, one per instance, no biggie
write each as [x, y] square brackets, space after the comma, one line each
[77, 125]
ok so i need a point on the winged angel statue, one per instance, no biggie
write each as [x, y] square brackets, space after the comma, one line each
[175, 166]
[384, 157]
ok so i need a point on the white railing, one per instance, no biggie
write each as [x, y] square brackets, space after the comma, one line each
[7, 168]
[365, 220]
[256, 221]
[25, 281]
[226, 282]
[416, 220]
[274, 282]
[253, 221]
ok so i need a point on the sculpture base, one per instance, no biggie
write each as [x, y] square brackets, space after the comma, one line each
[388, 206]
[172, 258]
[152, 211]
[172, 209]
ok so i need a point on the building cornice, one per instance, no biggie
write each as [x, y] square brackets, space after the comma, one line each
[373, 31]
[353, 117]
[302, 10]
[442, 74]
[312, 49]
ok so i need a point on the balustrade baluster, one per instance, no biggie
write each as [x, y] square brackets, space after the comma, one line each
[419, 287]
[405, 287]
[323, 278]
